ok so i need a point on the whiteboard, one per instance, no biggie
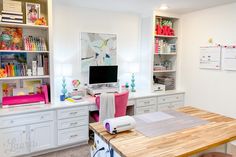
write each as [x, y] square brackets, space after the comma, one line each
[210, 57]
[229, 58]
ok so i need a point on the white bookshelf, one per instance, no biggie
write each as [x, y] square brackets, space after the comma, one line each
[35, 31]
[164, 59]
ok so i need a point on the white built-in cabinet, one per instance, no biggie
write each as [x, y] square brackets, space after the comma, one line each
[158, 103]
[13, 141]
[31, 133]
[24, 134]
[41, 136]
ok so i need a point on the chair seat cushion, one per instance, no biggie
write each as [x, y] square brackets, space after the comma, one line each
[95, 116]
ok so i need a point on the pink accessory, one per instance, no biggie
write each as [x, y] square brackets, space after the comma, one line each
[26, 99]
[121, 100]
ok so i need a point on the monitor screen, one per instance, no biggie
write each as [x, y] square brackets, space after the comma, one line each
[103, 74]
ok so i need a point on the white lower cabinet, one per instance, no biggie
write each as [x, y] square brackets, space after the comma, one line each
[42, 136]
[73, 135]
[170, 102]
[146, 105]
[72, 125]
[13, 141]
[20, 137]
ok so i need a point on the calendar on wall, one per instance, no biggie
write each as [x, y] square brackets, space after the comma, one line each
[210, 57]
[229, 58]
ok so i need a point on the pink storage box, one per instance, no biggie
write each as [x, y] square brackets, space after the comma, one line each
[26, 99]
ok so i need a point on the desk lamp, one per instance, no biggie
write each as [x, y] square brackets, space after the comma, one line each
[66, 71]
[133, 68]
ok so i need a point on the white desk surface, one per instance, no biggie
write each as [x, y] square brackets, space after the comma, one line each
[87, 101]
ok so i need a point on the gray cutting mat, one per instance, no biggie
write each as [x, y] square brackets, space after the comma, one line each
[160, 123]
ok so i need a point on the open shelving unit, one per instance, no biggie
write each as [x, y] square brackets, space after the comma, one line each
[16, 25]
[165, 52]
[41, 31]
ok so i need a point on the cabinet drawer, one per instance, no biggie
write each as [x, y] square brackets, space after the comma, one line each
[73, 135]
[72, 122]
[72, 112]
[146, 102]
[147, 109]
[131, 103]
[170, 106]
[170, 98]
[26, 119]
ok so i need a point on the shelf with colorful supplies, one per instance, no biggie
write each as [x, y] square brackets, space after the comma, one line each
[24, 47]
[165, 51]
[23, 66]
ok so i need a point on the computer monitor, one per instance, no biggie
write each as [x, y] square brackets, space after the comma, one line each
[103, 74]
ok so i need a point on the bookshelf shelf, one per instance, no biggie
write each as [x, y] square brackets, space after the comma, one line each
[164, 71]
[23, 51]
[5, 24]
[165, 54]
[165, 36]
[24, 77]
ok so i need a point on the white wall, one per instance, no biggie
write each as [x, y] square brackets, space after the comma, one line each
[70, 21]
[208, 89]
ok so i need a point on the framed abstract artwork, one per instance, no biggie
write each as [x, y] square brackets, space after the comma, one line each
[98, 49]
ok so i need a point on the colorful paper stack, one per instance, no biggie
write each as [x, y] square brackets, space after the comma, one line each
[34, 44]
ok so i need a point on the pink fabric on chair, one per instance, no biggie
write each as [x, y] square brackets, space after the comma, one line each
[121, 100]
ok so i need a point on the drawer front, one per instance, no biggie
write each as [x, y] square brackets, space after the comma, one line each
[147, 109]
[26, 119]
[170, 98]
[74, 135]
[131, 103]
[146, 102]
[170, 106]
[72, 112]
[72, 122]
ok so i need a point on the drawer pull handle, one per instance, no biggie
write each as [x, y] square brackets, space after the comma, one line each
[23, 132]
[72, 136]
[12, 121]
[42, 117]
[32, 130]
[145, 111]
[146, 102]
[164, 99]
[75, 123]
[73, 113]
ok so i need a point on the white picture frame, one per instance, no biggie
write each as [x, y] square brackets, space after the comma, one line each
[31, 85]
[12, 83]
[32, 12]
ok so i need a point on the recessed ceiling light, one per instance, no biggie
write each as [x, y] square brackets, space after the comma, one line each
[164, 7]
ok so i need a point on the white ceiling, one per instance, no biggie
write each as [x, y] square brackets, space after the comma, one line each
[145, 6]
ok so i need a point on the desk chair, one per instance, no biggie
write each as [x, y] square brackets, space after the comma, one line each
[217, 155]
[121, 100]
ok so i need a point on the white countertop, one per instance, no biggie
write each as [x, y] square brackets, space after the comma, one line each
[146, 94]
[88, 100]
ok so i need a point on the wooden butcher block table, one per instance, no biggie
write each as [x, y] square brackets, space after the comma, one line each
[219, 130]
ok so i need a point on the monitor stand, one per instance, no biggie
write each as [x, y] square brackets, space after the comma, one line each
[99, 89]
